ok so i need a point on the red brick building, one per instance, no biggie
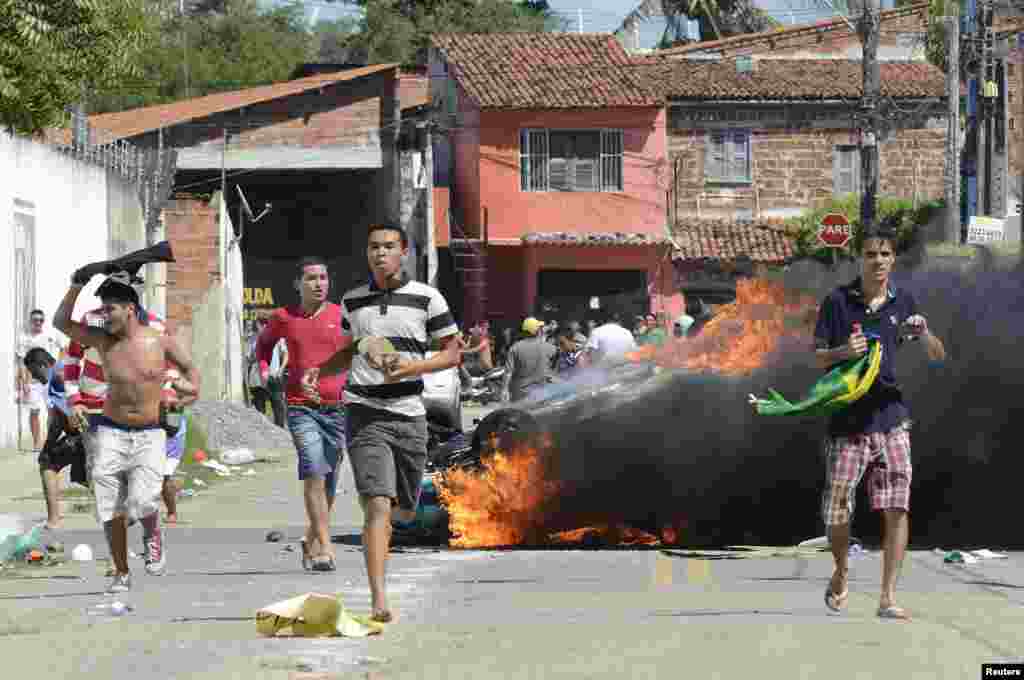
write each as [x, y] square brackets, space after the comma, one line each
[752, 138]
[556, 165]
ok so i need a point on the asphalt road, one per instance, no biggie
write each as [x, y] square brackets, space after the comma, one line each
[481, 614]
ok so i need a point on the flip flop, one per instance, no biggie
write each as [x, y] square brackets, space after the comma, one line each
[836, 601]
[307, 559]
[893, 612]
[382, 617]
[324, 563]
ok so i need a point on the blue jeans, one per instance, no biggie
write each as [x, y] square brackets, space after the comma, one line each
[319, 436]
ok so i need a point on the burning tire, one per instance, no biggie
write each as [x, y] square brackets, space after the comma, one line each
[511, 426]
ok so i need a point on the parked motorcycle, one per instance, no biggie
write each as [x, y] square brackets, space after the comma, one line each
[487, 388]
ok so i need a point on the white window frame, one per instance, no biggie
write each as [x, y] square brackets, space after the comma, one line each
[610, 167]
[838, 152]
[732, 139]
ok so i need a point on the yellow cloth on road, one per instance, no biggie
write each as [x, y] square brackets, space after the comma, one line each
[313, 615]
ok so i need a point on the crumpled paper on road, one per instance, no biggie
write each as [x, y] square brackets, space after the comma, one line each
[313, 615]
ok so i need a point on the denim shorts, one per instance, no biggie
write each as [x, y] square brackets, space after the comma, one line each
[319, 436]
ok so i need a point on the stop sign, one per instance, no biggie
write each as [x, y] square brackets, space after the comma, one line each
[834, 231]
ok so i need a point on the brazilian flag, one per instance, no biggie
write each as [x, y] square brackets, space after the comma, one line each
[837, 389]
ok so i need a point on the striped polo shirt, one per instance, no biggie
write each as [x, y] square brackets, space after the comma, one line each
[410, 316]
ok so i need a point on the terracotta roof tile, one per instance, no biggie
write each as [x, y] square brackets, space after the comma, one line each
[543, 70]
[724, 240]
[792, 79]
[124, 124]
[586, 238]
[762, 39]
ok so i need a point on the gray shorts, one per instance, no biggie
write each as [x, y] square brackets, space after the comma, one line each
[388, 454]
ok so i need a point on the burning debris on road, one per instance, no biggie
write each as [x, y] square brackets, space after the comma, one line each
[682, 448]
[516, 498]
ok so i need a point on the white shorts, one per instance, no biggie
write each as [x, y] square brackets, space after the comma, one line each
[36, 397]
[126, 470]
[171, 466]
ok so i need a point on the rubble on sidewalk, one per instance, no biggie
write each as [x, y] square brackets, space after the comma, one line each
[230, 425]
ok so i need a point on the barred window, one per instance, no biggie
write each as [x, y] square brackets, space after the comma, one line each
[571, 160]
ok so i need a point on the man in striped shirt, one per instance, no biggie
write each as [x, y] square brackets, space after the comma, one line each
[387, 420]
[86, 390]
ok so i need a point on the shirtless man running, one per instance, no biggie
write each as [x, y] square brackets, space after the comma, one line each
[126, 445]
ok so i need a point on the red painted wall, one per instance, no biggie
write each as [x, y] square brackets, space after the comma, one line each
[487, 175]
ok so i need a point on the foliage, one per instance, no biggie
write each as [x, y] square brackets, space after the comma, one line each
[935, 37]
[243, 46]
[908, 218]
[717, 18]
[54, 52]
[400, 30]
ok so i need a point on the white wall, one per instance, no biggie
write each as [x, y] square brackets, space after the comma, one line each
[69, 200]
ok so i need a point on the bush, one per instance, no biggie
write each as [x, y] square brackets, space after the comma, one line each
[907, 217]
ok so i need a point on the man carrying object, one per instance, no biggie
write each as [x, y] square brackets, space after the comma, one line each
[126, 445]
[872, 435]
[389, 324]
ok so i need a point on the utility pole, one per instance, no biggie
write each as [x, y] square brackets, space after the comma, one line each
[868, 29]
[184, 43]
[989, 94]
[970, 168]
[952, 225]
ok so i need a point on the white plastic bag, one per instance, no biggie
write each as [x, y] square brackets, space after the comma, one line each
[237, 457]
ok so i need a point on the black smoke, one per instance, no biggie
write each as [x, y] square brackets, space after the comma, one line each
[695, 449]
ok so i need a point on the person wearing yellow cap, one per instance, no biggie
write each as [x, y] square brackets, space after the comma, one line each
[529, 363]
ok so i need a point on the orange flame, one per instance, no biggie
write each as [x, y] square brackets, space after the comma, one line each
[738, 340]
[505, 504]
[502, 505]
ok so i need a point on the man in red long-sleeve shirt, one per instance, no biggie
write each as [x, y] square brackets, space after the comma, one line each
[312, 330]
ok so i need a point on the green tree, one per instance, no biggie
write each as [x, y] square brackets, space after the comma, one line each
[54, 52]
[233, 45]
[717, 18]
[400, 30]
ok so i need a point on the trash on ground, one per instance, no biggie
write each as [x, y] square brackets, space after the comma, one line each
[199, 455]
[186, 493]
[250, 472]
[313, 615]
[18, 544]
[987, 554]
[274, 536]
[959, 557]
[81, 553]
[56, 547]
[116, 608]
[217, 467]
[819, 542]
[198, 482]
[239, 456]
[132, 555]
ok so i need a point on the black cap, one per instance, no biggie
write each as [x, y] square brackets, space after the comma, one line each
[118, 286]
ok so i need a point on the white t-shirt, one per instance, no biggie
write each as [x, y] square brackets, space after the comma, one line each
[47, 340]
[611, 341]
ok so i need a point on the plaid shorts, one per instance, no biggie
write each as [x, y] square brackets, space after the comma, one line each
[884, 456]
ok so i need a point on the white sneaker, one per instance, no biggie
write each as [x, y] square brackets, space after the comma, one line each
[121, 583]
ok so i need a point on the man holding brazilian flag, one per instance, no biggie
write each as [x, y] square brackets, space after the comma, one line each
[860, 326]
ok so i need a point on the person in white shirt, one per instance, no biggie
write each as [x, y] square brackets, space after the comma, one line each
[610, 342]
[31, 392]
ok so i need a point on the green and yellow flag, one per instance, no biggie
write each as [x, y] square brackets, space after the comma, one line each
[837, 389]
